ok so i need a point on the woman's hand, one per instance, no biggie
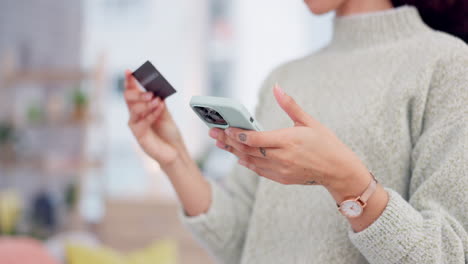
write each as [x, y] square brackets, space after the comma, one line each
[308, 153]
[159, 137]
[152, 124]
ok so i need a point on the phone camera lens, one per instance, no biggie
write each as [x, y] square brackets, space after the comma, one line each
[218, 116]
[199, 109]
[210, 115]
[210, 119]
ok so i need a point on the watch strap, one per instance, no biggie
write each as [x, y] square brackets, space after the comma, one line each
[369, 190]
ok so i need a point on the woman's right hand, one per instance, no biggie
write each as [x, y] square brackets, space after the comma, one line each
[152, 124]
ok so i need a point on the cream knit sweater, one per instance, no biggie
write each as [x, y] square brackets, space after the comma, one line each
[396, 92]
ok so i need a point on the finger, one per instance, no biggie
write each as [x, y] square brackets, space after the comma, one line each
[139, 126]
[215, 132]
[229, 148]
[260, 171]
[266, 173]
[153, 115]
[134, 96]
[243, 148]
[276, 163]
[137, 110]
[221, 136]
[259, 152]
[265, 139]
[261, 163]
[294, 111]
[141, 109]
[166, 114]
[130, 81]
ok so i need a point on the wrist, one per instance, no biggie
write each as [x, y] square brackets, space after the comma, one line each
[177, 162]
[181, 163]
[192, 188]
[350, 184]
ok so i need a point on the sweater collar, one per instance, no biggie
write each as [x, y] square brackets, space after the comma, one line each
[374, 29]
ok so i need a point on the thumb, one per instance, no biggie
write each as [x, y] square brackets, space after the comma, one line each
[130, 81]
[289, 105]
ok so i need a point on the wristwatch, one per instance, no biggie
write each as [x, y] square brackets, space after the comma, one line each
[353, 207]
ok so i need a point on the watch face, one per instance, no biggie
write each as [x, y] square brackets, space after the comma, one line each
[351, 208]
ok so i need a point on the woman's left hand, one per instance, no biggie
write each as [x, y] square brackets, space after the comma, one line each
[307, 153]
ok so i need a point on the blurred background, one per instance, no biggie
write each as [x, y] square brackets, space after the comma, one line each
[74, 185]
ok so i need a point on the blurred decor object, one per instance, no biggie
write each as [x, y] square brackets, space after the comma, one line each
[35, 114]
[134, 223]
[55, 108]
[7, 139]
[10, 211]
[23, 251]
[80, 103]
[71, 195]
[43, 215]
[56, 245]
[162, 252]
[6, 133]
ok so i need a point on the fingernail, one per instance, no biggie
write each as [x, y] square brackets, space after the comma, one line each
[228, 132]
[251, 166]
[214, 133]
[147, 96]
[242, 162]
[155, 102]
[279, 89]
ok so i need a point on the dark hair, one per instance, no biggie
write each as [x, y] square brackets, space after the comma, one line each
[450, 16]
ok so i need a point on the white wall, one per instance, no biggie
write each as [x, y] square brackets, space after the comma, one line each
[267, 33]
[169, 33]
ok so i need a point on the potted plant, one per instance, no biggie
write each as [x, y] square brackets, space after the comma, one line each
[80, 104]
[7, 138]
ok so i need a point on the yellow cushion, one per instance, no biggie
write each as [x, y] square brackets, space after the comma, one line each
[163, 252]
[10, 210]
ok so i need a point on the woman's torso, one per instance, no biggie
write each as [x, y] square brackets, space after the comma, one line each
[373, 99]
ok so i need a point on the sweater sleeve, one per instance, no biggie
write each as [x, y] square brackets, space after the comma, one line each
[431, 227]
[222, 229]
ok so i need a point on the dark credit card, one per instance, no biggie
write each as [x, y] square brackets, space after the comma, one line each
[153, 81]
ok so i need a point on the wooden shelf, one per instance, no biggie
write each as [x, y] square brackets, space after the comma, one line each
[75, 160]
[46, 76]
[64, 166]
[66, 122]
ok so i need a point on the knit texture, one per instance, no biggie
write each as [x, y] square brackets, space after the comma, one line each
[395, 92]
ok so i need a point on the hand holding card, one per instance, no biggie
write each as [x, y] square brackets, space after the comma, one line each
[160, 138]
[153, 81]
[151, 123]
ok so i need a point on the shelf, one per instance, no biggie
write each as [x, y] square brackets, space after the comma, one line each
[65, 123]
[47, 76]
[58, 166]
